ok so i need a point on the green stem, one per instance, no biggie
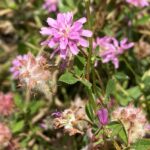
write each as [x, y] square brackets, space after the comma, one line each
[94, 80]
[27, 97]
[100, 82]
[87, 2]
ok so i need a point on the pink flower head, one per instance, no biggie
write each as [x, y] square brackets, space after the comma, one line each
[103, 116]
[30, 70]
[6, 104]
[5, 135]
[134, 121]
[17, 64]
[138, 3]
[51, 5]
[65, 36]
[111, 49]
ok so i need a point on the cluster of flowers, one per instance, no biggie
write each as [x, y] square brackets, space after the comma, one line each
[73, 119]
[31, 71]
[6, 139]
[5, 135]
[110, 49]
[52, 5]
[138, 3]
[6, 109]
[134, 121]
[6, 104]
[67, 37]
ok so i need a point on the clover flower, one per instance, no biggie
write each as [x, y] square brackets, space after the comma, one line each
[134, 121]
[138, 3]
[111, 49]
[6, 104]
[51, 5]
[5, 135]
[65, 36]
[30, 70]
[72, 119]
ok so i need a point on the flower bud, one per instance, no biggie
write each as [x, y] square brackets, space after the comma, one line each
[103, 116]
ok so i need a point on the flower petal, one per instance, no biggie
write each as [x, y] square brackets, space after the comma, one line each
[83, 42]
[63, 43]
[73, 49]
[86, 33]
[103, 116]
[51, 22]
[46, 31]
[82, 20]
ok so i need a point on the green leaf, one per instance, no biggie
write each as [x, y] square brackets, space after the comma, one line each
[79, 67]
[17, 126]
[134, 92]
[71, 4]
[123, 135]
[121, 76]
[118, 130]
[142, 144]
[146, 83]
[35, 106]
[110, 87]
[18, 101]
[64, 7]
[68, 78]
[80, 60]
[89, 111]
[86, 83]
[122, 98]
[142, 20]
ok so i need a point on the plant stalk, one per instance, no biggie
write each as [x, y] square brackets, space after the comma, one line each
[87, 2]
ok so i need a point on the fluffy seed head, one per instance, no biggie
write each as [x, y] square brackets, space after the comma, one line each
[133, 119]
[30, 70]
[72, 119]
[6, 104]
[5, 135]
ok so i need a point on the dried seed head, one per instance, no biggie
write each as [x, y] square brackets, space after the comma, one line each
[133, 119]
[5, 135]
[6, 104]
